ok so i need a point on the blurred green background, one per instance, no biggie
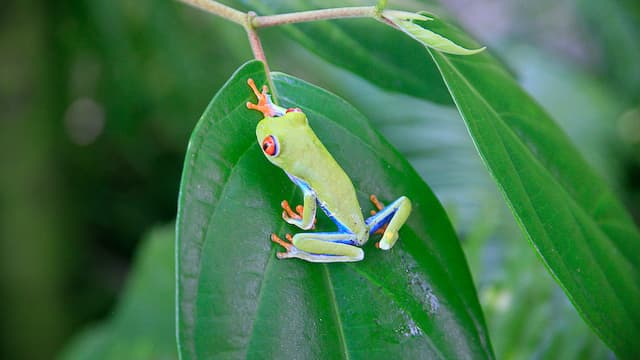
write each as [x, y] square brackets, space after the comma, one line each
[99, 98]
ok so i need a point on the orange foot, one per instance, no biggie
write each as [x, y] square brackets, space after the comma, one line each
[288, 212]
[297, 214]
[264, 105]
[287, 245]
[379, 206]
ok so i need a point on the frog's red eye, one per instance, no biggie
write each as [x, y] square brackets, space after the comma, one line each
[270, 146]
[293, 110]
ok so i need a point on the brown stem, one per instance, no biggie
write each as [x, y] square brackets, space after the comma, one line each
[254, 39]
[258, 51]
[219, 9]
[314, 15]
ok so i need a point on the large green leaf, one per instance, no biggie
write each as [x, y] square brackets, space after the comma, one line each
[582, 233]
[236, 299]
[143, 323]
[363, 46]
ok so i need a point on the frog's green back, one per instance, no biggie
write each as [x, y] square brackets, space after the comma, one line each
[301, 154]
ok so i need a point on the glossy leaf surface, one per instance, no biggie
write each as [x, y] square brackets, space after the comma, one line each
[575, 223]
[237, 300]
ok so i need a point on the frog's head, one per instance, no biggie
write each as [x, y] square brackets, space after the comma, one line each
[281, 132]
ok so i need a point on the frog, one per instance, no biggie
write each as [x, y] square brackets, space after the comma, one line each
[288, 141]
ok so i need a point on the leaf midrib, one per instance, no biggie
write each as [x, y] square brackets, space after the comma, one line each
[336, 311]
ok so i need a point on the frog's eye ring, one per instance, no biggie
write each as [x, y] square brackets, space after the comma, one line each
[293, 110]
[270, 146]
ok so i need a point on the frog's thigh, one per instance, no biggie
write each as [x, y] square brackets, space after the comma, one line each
[328, 247]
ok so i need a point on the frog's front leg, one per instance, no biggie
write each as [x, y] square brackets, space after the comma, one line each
[305, 216]
[389, 220]
[320, 247]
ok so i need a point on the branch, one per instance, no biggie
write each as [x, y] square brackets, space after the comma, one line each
[219, 9]
[240, 17]
[314, 15]
[254, 39]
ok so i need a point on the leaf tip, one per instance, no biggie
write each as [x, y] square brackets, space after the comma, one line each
[396, 15]
[464, 51]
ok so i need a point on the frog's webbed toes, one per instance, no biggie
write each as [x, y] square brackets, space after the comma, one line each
[291, 250]
[288, 213]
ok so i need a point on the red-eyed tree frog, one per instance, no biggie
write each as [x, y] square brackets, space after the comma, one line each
[288, 141]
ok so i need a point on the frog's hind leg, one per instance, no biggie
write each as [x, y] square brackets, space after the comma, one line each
[320, 247]
[389, 220]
